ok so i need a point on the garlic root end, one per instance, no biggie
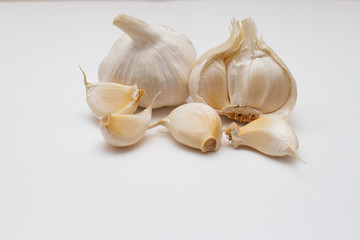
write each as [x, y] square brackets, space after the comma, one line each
[209, 145]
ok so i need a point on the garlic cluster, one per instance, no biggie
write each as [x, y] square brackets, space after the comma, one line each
[195, 125]
[243, 78]
[153, 57]
[105, 98]
[270, 135]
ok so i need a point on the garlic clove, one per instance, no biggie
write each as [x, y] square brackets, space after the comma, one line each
[153, 57]
[207, 81]
[257, 81]
[195, 125]
[213, 89]
[270, 135]
[105, 98]
[121, 130]
[285, 110]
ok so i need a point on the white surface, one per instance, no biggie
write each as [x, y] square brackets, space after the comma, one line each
[60, 180]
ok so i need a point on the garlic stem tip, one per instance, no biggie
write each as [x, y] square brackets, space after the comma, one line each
[83, 72]
[299, 158]
[123, 19]
[118, 18]
[154, 98]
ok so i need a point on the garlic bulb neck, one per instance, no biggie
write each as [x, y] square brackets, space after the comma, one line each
[152, 57]
[139, 31]
[249, 31]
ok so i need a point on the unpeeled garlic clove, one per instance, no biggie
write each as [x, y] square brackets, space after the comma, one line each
[153, 57]
[105, 98]
[243, 78]
[195, 125]
[270, 135]
[207, 83]
[121, 130]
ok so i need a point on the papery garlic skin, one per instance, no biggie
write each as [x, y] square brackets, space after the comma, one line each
[105, 98]
[195, 125]
[270, 135]
[153, 57]
[122, 130]
[243, 78]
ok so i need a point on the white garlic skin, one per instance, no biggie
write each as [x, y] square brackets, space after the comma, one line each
[122, 130]
[195, 125]
[153, 57]
[270, 135]
[243, 78]
[105, 98]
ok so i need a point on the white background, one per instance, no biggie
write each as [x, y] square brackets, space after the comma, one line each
[60, 180]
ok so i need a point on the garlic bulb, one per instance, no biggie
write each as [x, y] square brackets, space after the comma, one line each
[121, 130]
[153, 57]
[195, 125]
[105, 98]
[270, 135]
[243, 78]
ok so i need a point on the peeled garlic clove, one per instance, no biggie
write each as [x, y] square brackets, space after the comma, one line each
[153, 57]
[105, 98]
[271, 135]
[121, 130]
[195, 125]
[256, 79]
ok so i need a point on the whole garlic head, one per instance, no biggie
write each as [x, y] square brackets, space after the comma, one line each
[243, 78]
[153, 57]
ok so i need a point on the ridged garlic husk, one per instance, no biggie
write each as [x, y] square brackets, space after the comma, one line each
[122, 130]
[105, 98]
[270, 135]
[243, 78]
[195, 125]
[153, 57]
